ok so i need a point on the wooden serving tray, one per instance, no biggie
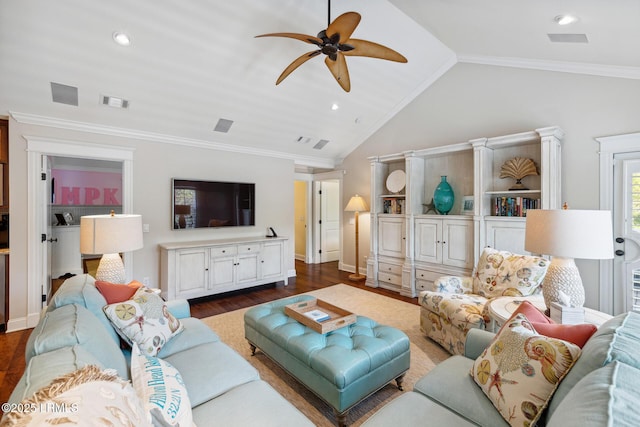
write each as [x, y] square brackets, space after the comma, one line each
[338, 318]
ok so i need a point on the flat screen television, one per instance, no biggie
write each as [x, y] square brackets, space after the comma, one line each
[203, 204]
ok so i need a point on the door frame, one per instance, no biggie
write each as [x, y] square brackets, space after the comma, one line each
[308, 179]
[37, 147]
[609, 147]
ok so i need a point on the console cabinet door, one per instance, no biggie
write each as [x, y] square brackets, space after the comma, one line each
[391, 237]
[271, 263]
[428, 238]
[191, 271]
[506, 235]
[223, 272]
[457, 243]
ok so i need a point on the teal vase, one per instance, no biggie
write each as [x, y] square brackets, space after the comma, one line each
[443, 197]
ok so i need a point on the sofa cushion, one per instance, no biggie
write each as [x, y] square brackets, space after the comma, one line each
[194, 333]
[210, 370]
[72, 325]
[161, 390]
[616, 339]
[145, 320]
[450, 385]
[42, 369]
[521, 369]
[88, 396]
[117, 292]
[577, 334]
[81, 290]
[502, 273]
[605, 397]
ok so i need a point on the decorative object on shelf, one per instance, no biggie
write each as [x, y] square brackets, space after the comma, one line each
[518, 168]
[443, 197]
[467, 205]
[567, 234]
[181, 211]
[396, 181]
[356, 204]
[109, 235]
[429, 207]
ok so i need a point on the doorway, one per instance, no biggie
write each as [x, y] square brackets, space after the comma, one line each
[620, 193]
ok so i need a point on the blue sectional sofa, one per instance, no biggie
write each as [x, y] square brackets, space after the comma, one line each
[601, 389]
[74, 332]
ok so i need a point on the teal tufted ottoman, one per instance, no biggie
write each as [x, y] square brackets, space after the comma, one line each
[342, 367]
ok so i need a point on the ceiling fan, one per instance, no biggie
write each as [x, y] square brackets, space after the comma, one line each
[335, 43]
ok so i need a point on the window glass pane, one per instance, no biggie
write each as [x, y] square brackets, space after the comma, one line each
[635, 201]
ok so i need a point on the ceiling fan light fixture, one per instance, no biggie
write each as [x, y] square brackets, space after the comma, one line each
[565, 19]
[121, 38]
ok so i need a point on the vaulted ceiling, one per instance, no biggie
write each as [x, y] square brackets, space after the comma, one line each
[193, 63]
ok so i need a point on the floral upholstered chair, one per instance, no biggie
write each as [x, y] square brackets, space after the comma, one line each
[457, 304]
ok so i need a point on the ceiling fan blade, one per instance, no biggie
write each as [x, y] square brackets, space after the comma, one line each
[296, 63]
[373, 50]
[302, 37]
[344, 25]
[339, 70]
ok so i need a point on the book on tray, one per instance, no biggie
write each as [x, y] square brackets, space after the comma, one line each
[317, 315]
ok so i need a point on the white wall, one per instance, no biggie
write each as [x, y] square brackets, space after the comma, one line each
[472, 101]
[154, 165]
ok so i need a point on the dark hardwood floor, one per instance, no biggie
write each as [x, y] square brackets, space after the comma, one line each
[309, 277]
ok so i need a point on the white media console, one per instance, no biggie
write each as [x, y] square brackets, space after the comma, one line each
[208, 267]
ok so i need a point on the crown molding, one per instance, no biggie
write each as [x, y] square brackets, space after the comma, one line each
[621, 72]
[34, 119]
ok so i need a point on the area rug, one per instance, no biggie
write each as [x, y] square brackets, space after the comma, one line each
[425, 354]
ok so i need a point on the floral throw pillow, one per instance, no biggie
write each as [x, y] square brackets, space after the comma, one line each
[502, 273]
[520, 370]
[144, 320]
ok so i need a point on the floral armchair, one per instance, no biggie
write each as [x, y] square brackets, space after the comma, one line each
[457, 304]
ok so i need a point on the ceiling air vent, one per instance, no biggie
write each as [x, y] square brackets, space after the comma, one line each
[303, 140]
[320, 145]
[64, 94]
[112, 101]
[568, 38]
[223, 125]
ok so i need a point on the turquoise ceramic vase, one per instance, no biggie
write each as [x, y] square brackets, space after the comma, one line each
[443, 197]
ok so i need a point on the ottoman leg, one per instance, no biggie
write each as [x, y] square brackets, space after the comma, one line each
[399, 381]
[341, 417]
[253, 349]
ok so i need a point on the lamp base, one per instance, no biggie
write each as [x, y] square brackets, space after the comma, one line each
[357, 277]
[111, 269]
[563, 280]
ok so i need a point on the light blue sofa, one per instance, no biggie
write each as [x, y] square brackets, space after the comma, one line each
[600, 390]
[74, 332]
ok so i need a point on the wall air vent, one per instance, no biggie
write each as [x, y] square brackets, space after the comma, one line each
[568, 38]
[64, 94]
[223, 125]
[320, 145]
[112, 101]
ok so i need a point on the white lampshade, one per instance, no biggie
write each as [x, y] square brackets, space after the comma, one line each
[109, 235]
[356, 204]
[568, 233]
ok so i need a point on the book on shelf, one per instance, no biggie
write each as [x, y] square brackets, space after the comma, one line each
[317, 315]
[514, 206]
[392, 205]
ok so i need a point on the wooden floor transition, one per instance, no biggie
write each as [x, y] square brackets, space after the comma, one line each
[309, 277]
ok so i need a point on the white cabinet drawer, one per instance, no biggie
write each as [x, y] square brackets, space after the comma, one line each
[429, 276]
[390, 278]
[244, 249]
[223, 251]
[389, 268]
[422, 285]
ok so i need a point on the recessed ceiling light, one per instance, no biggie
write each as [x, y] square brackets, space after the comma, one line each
[565, 19]
[334, 106]
[121, 38]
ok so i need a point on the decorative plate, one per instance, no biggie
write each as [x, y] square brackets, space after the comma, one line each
[396, 181]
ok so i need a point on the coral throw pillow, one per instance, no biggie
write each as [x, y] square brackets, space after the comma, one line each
[117, 292]
[521, 369]
[577, 334]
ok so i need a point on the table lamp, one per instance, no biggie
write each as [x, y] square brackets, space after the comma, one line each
[356, 204]
[109, 235]
[566, 234]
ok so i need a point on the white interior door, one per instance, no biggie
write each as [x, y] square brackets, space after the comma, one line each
[329, 221]
[626, 227]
